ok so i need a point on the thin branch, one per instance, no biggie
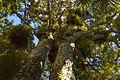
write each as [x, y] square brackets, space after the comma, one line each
[97, 24]
[49, 11]
[102, 22]
[95, 70]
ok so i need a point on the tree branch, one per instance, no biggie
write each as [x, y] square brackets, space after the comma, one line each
[33, 67]
[108, 19]
[97, 24]
[91, 34]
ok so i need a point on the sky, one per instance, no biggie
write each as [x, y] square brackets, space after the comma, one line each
[17, 20]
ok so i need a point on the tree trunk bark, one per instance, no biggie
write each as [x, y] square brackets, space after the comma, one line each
[33, 67]
[62, 68]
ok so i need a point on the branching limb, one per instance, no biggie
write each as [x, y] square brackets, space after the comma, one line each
[33, 67]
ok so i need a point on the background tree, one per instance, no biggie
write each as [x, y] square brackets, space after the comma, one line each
[78, 39]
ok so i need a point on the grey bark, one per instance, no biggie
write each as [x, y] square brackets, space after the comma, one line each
[62, 68]
[34, 64]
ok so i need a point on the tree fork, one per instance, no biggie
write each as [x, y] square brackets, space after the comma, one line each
[33, 67]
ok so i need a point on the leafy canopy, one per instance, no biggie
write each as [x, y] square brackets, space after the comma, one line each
[96, 55]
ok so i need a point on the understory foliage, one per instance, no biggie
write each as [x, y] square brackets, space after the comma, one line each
[92, 25]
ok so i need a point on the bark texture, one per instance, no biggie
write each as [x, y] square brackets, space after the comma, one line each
[62, 68]
[34, 64]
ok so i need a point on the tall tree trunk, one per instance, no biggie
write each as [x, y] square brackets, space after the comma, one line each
[34, 64]
[62, 68]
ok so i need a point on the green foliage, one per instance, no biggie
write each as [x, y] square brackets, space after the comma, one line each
[106, 5]
[19, 35]
[117, 24]
[10, 57]
[8, 6]
[42, 31]
[73, 20]
[74, 17]
[96, 54]
[9, 65]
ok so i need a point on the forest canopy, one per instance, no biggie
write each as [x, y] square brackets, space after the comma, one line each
[77, 40]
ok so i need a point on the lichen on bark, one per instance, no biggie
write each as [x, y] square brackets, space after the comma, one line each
[62, 68]
[33, 67]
